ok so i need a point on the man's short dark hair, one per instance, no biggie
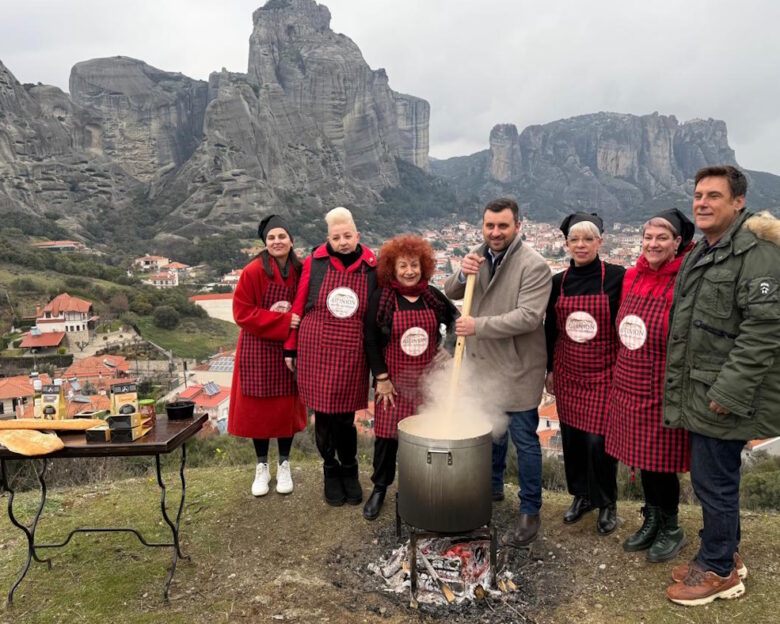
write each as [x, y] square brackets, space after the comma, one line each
[502, 203]
[736, 179]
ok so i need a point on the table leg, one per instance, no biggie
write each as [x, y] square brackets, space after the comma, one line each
[29, 532]
[174, 526]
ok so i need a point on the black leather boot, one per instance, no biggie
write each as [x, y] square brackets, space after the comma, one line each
[644, 537]
[607, 521]
[351, 484]
[669, 540]
[374, 504]
[334, 490]
[578, 508]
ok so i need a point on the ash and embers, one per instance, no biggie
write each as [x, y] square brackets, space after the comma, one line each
[449, 570]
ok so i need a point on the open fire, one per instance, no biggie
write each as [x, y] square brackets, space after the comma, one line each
[449, 569]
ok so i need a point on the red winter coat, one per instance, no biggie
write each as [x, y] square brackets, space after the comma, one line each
[262, 417]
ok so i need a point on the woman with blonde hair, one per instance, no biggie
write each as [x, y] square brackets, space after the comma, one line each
[582, 347]
[327, 352]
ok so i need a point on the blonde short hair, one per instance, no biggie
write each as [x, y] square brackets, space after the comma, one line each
[339, 216]
[585, 227]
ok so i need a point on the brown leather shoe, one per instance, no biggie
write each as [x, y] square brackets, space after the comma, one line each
[679, 572]
[526, 532]
[701, 587]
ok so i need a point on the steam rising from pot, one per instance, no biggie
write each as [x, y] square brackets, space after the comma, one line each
[461, 413]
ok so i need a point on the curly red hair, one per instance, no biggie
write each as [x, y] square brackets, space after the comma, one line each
[409, 245]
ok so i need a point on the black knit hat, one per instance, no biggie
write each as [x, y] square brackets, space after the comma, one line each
[269, 223]
[578, 217]
[682, 224]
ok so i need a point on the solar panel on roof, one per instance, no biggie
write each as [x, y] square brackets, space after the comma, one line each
[211, 388]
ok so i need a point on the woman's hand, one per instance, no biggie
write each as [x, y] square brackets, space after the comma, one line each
[296, 320]
[549, 385]
[386, 392]
[291, 363]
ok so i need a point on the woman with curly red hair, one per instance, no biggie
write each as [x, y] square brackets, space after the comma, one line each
[401, 336]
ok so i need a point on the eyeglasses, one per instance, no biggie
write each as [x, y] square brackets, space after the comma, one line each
[588, 240]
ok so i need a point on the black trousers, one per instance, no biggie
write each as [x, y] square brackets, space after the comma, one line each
[262, 444]
[590, 472]
[662, 489]
[336, 435]
[385, 452]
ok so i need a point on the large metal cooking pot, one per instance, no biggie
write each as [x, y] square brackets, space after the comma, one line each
[444, 473]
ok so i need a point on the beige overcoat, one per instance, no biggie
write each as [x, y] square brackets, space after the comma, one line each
[509, 345]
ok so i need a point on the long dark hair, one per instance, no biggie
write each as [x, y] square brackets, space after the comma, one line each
[292, 260]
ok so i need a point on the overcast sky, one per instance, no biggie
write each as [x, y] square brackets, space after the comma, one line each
[478, 63]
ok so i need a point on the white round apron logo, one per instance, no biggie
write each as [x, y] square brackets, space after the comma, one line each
[581, 326]
[342, 302]
[632, 332]
[281, 306]
[414, 341]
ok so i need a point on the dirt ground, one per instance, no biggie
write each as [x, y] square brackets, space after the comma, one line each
[295, 559]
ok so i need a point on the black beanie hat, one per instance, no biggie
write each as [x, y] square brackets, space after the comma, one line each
[578, 217]
[681, 223]
[269, 223]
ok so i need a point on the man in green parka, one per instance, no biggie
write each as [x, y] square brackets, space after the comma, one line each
[723, 368]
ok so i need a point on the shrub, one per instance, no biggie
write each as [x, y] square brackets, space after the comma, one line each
[166, 317]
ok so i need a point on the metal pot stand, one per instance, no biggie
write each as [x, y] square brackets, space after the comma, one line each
[487, 532]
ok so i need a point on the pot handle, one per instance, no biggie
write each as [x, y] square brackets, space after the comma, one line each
[441, 452]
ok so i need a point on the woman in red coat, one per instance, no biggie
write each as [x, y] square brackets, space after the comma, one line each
[264, 401]
[635, 434]
[327, 352]
[401, 339]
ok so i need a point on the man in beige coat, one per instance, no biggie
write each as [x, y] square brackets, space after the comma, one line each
[505, 343]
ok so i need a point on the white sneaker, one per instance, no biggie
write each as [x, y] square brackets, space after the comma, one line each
[262, 477]
[284, 484]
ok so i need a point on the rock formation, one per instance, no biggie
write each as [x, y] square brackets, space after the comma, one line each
[309, 126]
[620, 165]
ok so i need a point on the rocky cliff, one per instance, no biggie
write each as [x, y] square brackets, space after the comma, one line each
[309, 126]
[622, 166]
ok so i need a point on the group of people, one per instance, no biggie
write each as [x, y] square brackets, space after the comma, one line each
[668, 366]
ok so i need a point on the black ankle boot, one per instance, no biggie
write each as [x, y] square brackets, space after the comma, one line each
[374, 504]
[334, 490]
[669, 540]
[351, 484]
[644, 537]
[607, 521]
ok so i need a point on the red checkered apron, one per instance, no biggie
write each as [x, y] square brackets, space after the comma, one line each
[332, 368]
[584, 358]
[406, 357]
[635, 434]
[261, 367]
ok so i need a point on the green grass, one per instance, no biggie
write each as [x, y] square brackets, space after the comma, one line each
[258, 559]
[194, 338]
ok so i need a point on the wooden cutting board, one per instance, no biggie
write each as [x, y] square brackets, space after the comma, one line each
[37, 424]
[30, 443]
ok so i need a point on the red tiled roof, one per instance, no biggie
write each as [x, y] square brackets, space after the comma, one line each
[65, 303]
[195, 393]
[211, 297]
[57, 242]
[95, 366]
[19, 386]
[549, 411]
[177, 265]
[48, 339]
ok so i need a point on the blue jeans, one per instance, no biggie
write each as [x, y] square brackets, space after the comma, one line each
[522, 427]
[715, 478]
